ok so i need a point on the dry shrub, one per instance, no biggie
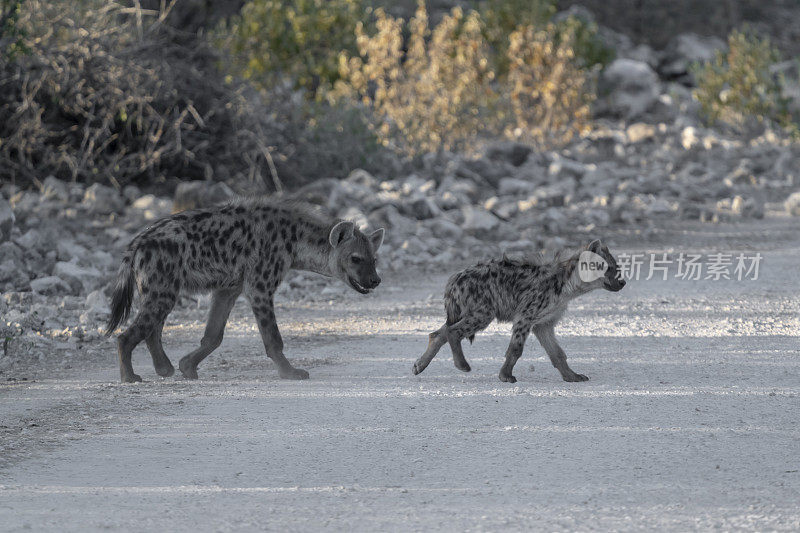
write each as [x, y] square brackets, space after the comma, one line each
[549, 94]
[443, 92]
[737, 86]
[106, 92]
[434, 96]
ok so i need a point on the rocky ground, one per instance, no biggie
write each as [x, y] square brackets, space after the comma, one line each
[61, 245]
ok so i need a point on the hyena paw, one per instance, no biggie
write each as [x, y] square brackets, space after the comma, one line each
[165, 371]
[463, 366]
[131, 378]
[508, 378]
[575, 377]
[417, 368]
[188, 370]
[293, 373]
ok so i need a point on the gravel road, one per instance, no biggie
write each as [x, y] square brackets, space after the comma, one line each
[689, 420]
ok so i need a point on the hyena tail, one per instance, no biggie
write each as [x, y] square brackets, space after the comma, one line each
[122, 299]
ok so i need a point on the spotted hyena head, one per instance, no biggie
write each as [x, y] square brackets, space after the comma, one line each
[354, 256]
[600, 267]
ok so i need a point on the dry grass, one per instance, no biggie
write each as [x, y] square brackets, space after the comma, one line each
[109, 93]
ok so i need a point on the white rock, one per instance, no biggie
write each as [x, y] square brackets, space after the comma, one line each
[792, 204]
[355, 215]
[144, 202]
[97, 308]
[69, 250]
[55, 189]
[688, 137]
[642, 53]
[102, 259]
[49, 286]
[102, 199]
[660, 206]
[640, 131]
[444, 258]
[444, 228]
[478, 221]
[554, 219]
[97, 301]
[31, 240]
[414, 246]
[515, 186]
[632, 87]
[562, 166]
[362, 177]
[389, 217]
[79, 278]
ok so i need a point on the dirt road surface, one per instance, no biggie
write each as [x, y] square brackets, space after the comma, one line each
[689, 420]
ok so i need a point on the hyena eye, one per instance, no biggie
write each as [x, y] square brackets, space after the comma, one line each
[356, 260]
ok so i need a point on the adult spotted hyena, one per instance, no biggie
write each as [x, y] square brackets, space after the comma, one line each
[532, 293]
[247, 245]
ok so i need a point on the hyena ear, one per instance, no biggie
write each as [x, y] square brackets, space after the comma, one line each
[341, 232]
[595, 246]
[376, 239]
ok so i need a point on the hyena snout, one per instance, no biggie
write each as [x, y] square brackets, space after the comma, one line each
[615, 285]
[373, 281]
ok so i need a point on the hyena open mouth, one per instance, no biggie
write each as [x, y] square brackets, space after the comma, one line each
[357, 286]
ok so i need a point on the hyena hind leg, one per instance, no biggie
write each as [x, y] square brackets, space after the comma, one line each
[519, 334]
[436, 340]
[459, 360]
[161, 362]
[465, 328]
[147, 321]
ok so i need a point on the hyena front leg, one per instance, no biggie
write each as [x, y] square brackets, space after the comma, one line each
[435, 342]
[152, 313]
[547, 337]
[519, 333]
[222, 301]
[264, 311]
[161, 362]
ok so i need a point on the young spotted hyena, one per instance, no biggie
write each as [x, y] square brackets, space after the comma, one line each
[533, 294]
[247, 245]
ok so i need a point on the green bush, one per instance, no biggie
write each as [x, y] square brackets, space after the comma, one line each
[737, 85]
[11, 34]
[296, 41]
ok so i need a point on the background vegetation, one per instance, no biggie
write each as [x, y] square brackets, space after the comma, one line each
[277, 93]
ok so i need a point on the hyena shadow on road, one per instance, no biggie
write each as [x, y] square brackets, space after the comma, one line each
[245, 247]
[532, 293]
